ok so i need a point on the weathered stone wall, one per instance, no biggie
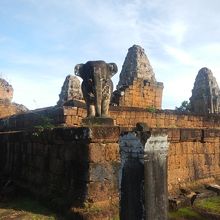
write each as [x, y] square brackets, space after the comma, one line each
[47, 117]
[140, 93]
[75, 167]
[129, 117]
[123, 117]
[8, 109]
[194, 155]
[194, 140]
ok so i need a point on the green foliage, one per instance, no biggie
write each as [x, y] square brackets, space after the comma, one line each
[185, 213]
[116, 218]
[46, 123]
[211, 204]
[185, 107]
[151, 109]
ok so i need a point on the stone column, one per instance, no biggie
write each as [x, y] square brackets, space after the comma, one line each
[102, 191]
[155, 176]
[131, 177]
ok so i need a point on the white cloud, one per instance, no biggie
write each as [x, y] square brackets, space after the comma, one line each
[181, 56]
[178, 31]
[179, 38]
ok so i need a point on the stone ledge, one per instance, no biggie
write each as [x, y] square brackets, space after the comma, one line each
[97, 121]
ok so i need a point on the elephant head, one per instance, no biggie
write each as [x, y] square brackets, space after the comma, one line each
[97, 83]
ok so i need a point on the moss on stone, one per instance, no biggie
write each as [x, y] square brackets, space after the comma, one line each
[210, 204]
[185, 213]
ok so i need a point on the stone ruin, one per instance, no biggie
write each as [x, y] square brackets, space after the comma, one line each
[107, 169]
[205, 97]
[137, 85]
[71, 90]
[6, 91]
[7, 107]
[136, 66]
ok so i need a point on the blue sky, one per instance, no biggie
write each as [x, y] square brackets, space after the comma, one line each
[42, 40]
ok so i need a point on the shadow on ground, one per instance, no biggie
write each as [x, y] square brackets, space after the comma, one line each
[25, 208]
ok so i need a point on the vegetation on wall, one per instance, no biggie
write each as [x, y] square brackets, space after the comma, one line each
[46, 123]
[151, 109]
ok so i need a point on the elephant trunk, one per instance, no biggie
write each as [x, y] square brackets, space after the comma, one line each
[98, 90]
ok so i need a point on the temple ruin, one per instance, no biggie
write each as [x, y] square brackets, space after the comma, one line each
[205, 97]
[6, 91]
[97, 171]
[137, 85]
[71, 90]
[7, 107]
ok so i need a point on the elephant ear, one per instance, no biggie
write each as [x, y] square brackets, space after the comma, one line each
[113, 68]
[78, 70]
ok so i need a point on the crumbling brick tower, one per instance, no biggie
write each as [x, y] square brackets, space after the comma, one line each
[6, 91]
[205, 97]
[7, 107]
[70, 91]
[137, 86]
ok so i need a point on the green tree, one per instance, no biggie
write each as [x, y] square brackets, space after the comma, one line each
[185, 107]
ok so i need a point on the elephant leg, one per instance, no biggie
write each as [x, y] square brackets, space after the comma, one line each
[91, 110]
[107, 91]
[90, 105]
[98, 84]
[98, 107]
[105, 107]
[89, 99]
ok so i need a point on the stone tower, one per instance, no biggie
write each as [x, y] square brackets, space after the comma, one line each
[205, 94]
[7, 107]
[136, 65]
[137, 86]
[6, 91]
[71, 90]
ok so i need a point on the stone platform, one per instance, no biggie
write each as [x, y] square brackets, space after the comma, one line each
[97, 121]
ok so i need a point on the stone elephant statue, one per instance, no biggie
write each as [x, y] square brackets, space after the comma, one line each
[97, 86]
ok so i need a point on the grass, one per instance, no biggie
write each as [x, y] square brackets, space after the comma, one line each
[211, 204]
[25, 209]
[185, 213]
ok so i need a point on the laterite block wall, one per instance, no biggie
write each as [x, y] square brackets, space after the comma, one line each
[8, 109]
[194, 155]
[75, 168]
[142, 94]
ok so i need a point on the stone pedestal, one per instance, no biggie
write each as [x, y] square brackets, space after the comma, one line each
[98, 121]
[155, 177]
[102, 191]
